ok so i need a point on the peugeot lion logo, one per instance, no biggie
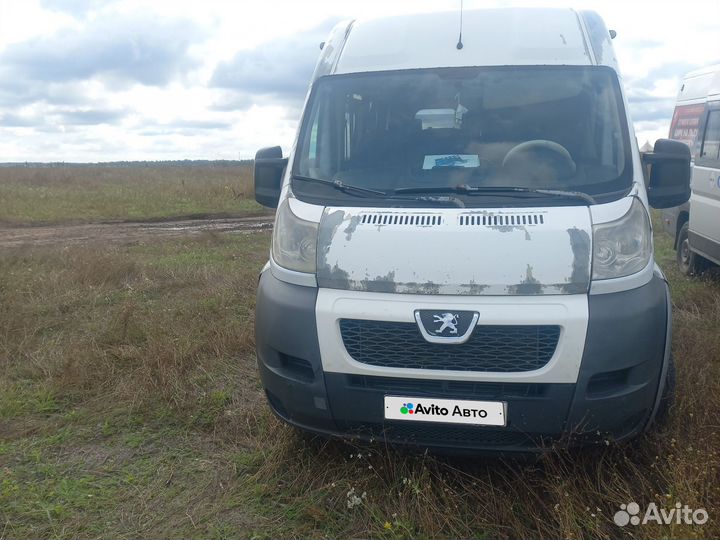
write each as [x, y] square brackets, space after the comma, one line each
[446, 320]
[446, 326]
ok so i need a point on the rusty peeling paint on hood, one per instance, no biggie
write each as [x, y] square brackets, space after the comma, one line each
[350, 229]
[528, 286]
[384, 283]
[580, 243]
[335, 277]
[454, 258]
[473, 289]
[418, 288]
[511, 228]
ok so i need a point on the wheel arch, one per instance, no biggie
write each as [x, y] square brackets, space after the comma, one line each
[667, 354]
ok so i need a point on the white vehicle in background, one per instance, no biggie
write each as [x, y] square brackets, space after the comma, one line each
[462, 253]
[695, 226]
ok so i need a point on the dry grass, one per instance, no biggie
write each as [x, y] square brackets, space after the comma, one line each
[130, 406]
[31, 195]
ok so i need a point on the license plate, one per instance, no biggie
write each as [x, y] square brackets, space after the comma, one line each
[448, 411]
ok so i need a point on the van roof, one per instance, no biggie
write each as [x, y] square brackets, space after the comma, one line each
[491, 37]
[704, 71]
[700, 84]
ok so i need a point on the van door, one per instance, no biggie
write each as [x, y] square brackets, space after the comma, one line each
[705, 201]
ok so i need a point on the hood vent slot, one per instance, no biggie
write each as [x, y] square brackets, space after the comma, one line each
[381, 218]
[501, 220]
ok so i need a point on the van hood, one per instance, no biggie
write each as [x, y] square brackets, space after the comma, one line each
[456, 251]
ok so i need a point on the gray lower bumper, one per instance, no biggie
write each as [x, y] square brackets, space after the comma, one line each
[613, 397]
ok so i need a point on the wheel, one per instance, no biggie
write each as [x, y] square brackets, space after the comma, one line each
[689, 262]
[668, 395]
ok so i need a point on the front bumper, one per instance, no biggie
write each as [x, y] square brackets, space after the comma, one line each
[612, 397]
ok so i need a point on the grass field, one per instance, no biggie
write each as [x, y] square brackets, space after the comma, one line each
[130, 407]
[31, 195]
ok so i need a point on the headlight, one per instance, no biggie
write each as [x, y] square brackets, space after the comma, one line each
[294, 243]
[622, 247]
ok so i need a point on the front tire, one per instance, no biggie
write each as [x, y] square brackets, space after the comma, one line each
[689, 263]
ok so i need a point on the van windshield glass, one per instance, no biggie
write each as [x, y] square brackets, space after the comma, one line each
[544, 127]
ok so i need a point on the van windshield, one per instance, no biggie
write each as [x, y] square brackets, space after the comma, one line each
[540, 127]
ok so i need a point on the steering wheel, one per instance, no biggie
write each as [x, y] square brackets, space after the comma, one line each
[531, 154]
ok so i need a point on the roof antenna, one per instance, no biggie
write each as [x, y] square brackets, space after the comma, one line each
[460, 43]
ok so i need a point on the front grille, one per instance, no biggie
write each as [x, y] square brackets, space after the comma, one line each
[496, 348]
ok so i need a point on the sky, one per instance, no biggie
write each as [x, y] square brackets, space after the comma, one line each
[93, 80]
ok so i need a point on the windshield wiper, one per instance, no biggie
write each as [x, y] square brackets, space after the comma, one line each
[355, 190]
[510, 191]
[341, 186]
[567, 194]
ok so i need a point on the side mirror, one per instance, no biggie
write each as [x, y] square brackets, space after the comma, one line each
[268, 174]
[669, 174]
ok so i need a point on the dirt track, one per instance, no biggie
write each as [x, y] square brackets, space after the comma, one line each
[127, 232]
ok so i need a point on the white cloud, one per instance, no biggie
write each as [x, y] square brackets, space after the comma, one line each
[88, 80]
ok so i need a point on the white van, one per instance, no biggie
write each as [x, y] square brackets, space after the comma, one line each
[462, 255]
[695, 226]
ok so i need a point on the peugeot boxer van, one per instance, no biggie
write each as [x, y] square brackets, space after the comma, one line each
[462, 254]
[695, 226]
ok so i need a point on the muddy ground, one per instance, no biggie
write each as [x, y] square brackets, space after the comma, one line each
[128, 232]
